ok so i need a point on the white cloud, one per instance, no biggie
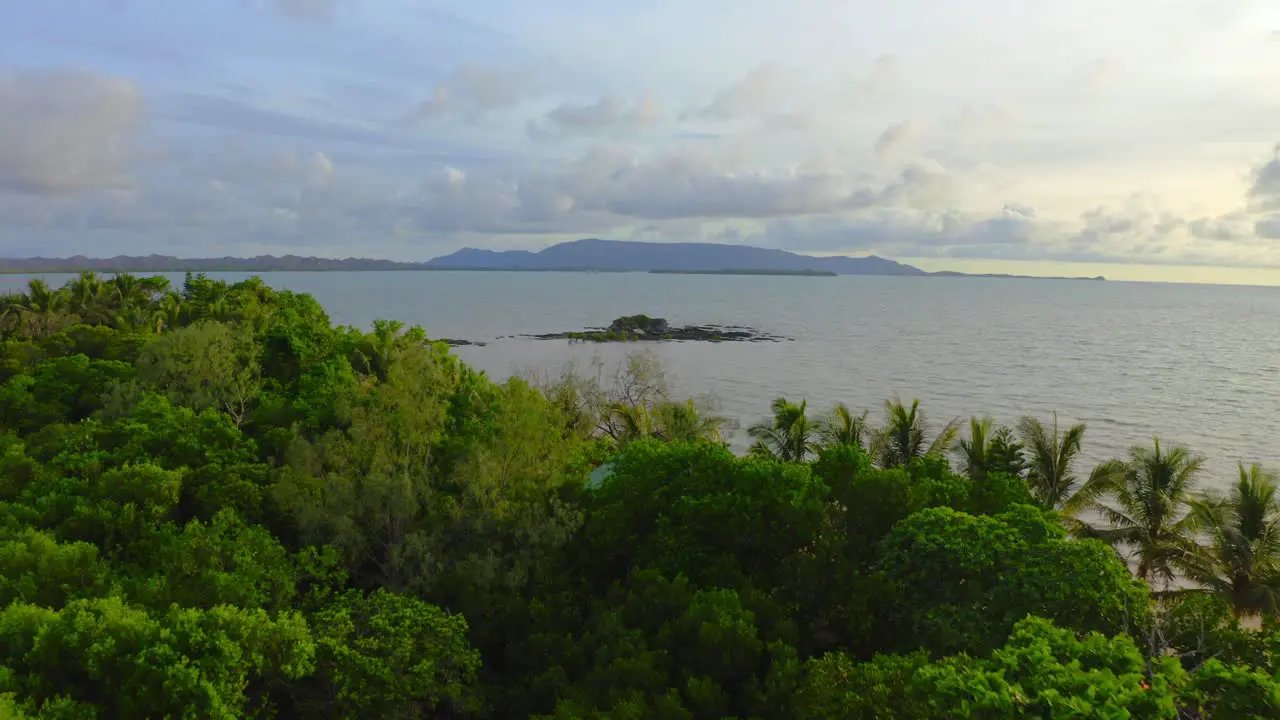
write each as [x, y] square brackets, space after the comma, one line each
[756, 93]
[66, 132]
[893, 139]
[608, 114]
[473, 91]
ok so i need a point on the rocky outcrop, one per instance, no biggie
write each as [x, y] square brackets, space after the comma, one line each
[642, 328]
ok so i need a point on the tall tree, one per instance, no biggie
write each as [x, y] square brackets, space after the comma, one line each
[1241, 560]
[975, 450]
[684, 421]
[1051, 455]
[905, 435]
[840, 426]
[788, 437]
[1147, 503]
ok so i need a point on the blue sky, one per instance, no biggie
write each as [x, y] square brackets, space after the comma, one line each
[991, 133]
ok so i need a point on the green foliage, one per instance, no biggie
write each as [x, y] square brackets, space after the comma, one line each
[666, 506]
[962, 581]
[389, 655]
[126, 663]
[215, 504]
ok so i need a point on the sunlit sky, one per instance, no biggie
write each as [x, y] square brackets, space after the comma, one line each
[1137, 139]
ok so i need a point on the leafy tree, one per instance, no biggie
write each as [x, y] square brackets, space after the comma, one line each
[388, 655]
[962, 581]
[103, 655]
[665, 507]
[206, 365]
[789, 437]
[1242, 558]
[37, 569]
[905, 435]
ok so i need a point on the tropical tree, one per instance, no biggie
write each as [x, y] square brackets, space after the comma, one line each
[788, 437]
[1051, 455]
[840, 427]
[127, 291]
[1241, 559]
[684, 421]
[87, 296]
[630, 422]
[168, 312]
[905, 435]
[974, 450]
[1147, 501]
[42, 310]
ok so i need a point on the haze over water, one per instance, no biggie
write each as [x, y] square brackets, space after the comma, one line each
[1195, 364]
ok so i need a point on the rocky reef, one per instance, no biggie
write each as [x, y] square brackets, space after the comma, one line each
[641, 328]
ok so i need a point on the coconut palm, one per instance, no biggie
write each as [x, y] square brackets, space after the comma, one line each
[975, 450]
[88, 297]
[168, 312]
[683, 421]
[840, 426]
[127, 291]
[1241, 559]
[41, 310]
[788, 437]
[905, 435]
[1146, 501]
[1051, 456]
[630, 422]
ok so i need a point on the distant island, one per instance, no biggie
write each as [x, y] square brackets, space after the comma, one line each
[590, 255]
[802, 273]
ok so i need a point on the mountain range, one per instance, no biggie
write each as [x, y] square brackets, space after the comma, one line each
[628, 256]
[577, 255]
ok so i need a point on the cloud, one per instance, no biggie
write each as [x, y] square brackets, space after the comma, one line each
[1094, 75]
[1264, 192]
[1268, 227]
[306, 9]
[754, 94]
[893, 139]
[66, 132]
[884, 79]
[608, 114]
[474, 91]
[1230, 227]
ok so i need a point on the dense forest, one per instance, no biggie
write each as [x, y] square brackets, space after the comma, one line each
[216, 504]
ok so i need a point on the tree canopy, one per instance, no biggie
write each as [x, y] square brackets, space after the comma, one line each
[214, 503]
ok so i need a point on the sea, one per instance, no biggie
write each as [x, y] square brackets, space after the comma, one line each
[1197, 365]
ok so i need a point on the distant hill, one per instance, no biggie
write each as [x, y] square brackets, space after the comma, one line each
[166, 263]
[580, 255]
[618, 255]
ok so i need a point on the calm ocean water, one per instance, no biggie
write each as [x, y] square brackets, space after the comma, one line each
[1194, 364]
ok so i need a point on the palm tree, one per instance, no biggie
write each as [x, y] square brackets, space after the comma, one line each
[41, 311]
[841, 427]
[1051, 455]
[975, 450]
[168, 312]
[683, 421]
[905, 435]
[1147, 501]
[127, 291]
[87, 295]
[1241, 561]
[789, 437]
[632, 422]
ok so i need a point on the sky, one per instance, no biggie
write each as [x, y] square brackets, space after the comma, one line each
[1142, 138]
